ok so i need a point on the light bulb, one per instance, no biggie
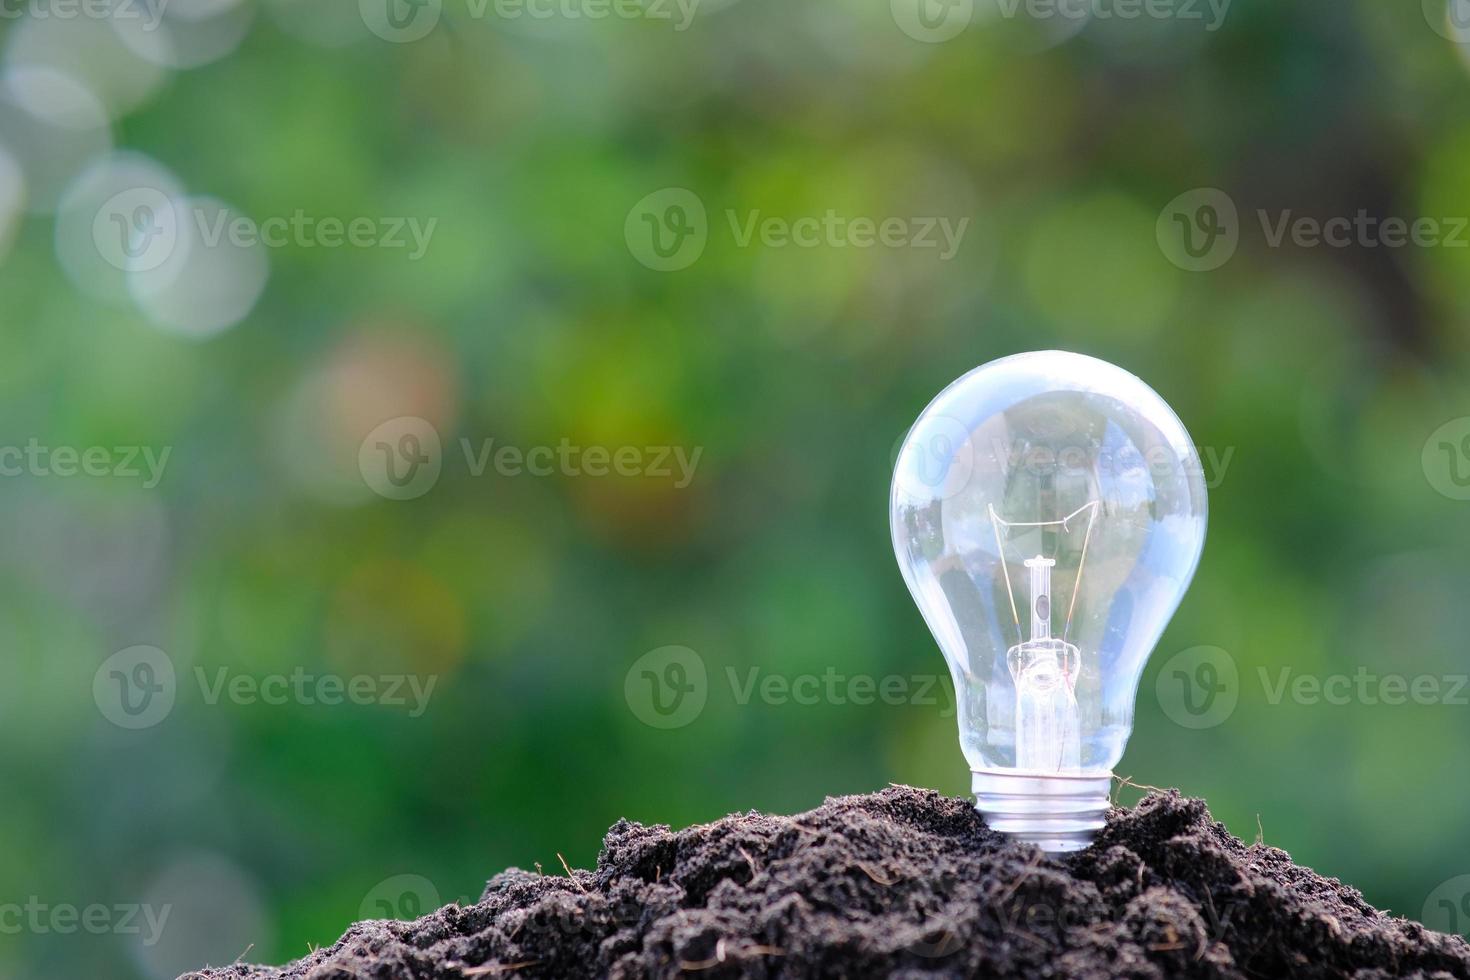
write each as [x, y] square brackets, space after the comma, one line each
[1048, 512]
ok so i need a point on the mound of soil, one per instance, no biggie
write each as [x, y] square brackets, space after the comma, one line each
[902, 883]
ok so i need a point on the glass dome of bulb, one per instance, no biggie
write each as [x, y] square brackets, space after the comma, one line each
[1048, 512]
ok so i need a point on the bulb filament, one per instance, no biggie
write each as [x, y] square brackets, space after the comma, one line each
[1044, 667]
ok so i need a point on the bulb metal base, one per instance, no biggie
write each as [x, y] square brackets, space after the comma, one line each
[1057, 813]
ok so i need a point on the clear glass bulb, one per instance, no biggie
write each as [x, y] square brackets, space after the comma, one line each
[1048, 512]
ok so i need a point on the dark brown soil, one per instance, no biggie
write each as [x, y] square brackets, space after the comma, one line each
[903, 883]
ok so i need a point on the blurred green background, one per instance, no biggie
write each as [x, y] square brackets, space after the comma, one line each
[1328, 383]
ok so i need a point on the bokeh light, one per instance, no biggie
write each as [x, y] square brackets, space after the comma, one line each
[52, 126]
[213, 273]
[91, 51]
